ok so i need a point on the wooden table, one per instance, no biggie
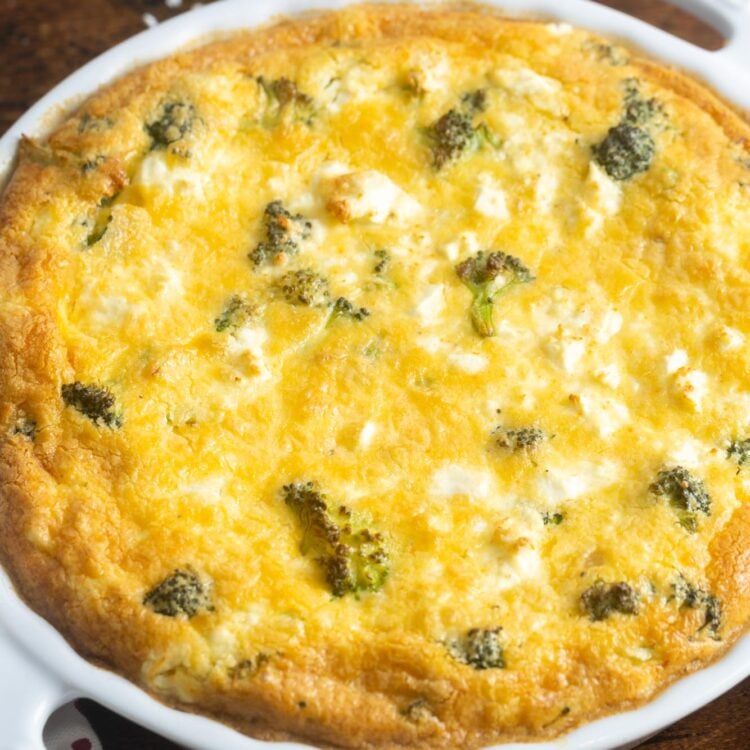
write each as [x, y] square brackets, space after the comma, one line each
[42, 41]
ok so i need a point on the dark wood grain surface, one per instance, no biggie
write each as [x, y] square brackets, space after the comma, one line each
[42, 41]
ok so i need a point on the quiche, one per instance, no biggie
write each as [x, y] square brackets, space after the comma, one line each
[381, 379]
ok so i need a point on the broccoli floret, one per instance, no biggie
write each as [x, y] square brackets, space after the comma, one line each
[689, 596]
[487, 277]
[553, 519]
[24, 426]
[93, 401]
[474, 102]
[523, 439]
[249, 667]
[383, 261]
[603, 599]
[305, 287]
[686, 494]
[417, 710]
[173, 122]
[452, 136]
[638, 111]
[181, 593]
[284, 233]
[353, 559]
[739, 451]
[236, 312]
[282, 94]
[342, 308]
[479, 648]
[626, 151]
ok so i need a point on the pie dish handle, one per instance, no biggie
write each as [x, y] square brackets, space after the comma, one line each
[731, 18]
[28, 695]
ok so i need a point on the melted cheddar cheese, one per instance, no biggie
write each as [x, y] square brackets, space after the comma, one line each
[628, 352]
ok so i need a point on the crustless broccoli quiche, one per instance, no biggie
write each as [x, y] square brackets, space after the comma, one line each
[381, 378]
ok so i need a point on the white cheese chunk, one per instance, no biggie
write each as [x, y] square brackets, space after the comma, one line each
[368, 196]
[602, 198]
[607, 414]
[676, 361]
[455, 479]
[730, 339]
[609, 375]
[542, 92]
[431, 304]
[367, 433]
[692, 385]
[466, 244]
[609, 325]
[468, 362]
[245, 350]
[565, 349]
[490, 200]
[560, 483]
[155, 174]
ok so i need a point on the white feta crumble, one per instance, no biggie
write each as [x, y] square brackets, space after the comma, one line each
[730, 339]
[692, 385]
[543, 92]
[559, 29]
[566, 350]
[676, 361]
[431, 304]
[609, 375]
[245, 349]
[367, 433]
[468, 362]
[609, 325]
[490, 200]
[368, 196]
[155, 174]
[454, 479]
[466, 244]
[606, 414]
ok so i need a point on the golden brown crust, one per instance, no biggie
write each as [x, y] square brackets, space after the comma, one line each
[348, 702]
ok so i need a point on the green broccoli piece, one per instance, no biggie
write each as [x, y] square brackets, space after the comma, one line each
[93, 401]
[689, 596]
[488, 277]
[305, 287]
[686, 494]
[383, 261]
[282, 94]
[603, 599]
[553, 519]
[454, 135]
[626, 151]
[172, 123]
[479, 648]
[522, 439]
[638, 111]
[181, 593]
[474, 102]
[247, 668]
[283, 234]
[342, 308]
[353, 559]
[739, 451]
[24, 426]
[237, 311]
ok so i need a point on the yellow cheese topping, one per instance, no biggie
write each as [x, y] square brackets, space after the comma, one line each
[512, 480]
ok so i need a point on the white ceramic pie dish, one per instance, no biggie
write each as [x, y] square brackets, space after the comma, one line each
[38, 669]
